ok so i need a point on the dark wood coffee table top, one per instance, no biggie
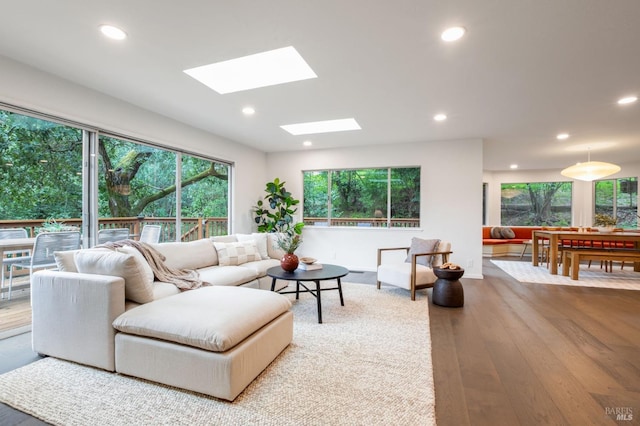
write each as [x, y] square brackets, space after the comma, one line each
[328, 272]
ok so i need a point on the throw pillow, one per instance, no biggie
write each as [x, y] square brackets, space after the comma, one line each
[137, 285]
[507, 233]
[233, 254]
[495, 232]
[261, 242]
[419, 245]
[64, 260]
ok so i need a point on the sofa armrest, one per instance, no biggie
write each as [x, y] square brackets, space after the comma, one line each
[73, 315]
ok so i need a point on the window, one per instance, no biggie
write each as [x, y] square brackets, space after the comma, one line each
[618, 198]
[205, 197]
[43, 164]
[40, 170]
[380, 197]
[536, 204]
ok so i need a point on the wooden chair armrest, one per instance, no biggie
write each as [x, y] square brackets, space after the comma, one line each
[445, 255]
[380, 250]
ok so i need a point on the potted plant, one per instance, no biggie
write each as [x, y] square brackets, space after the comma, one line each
[277, 215]
[604, 222]
[289, 243]
[51, 225]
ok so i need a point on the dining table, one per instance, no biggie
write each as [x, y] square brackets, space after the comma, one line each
[16, 244]
[580, 239]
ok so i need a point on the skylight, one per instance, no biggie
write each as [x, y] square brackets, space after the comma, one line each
[269, 68]
[327, 126]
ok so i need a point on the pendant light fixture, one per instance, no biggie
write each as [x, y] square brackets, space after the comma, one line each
[591, 170]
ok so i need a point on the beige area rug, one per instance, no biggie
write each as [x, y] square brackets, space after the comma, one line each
[626, 279]
[369, 363]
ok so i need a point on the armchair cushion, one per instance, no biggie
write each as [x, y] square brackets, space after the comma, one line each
[419, 245]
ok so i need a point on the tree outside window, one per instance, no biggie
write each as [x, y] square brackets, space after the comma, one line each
[377, 197]
[618, 198]
[536, 204]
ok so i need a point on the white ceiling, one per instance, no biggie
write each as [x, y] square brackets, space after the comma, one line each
[525, 71]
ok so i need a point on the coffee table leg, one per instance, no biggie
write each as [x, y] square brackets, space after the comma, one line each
[340, 291]
[319, 302]
[297, 289]
[273, 284]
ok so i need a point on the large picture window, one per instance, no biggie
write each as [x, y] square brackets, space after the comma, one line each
[536, 204]
[46, 177]
[40, 170]
[618, 198]
[377, 197]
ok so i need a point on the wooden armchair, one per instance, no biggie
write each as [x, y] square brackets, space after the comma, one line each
[415, 273]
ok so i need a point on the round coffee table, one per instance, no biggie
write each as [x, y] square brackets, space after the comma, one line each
[328, 272]
[447, 290]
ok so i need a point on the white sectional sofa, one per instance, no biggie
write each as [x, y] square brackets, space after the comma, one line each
[101, 308]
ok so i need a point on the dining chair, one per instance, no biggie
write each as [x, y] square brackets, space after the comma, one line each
[112, 235]
[44, 246]
[6, 234]
[150, 234]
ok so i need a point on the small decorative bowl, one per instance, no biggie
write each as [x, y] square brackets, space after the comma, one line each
[308, 260]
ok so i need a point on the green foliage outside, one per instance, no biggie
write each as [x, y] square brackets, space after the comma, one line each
[41, 175]
[40, 168]
[536, 204]
[618, 197]
[362, 193]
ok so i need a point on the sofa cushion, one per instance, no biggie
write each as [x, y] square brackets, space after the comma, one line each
[233, 254]
[189, 255]
[65, 261]
[495, 232]
[260, 266]
[138, 286]
[227, 275]
[162, 289]
[261, 242]
[273, 250]
[211, 318]
[507, 233]
[420, 245]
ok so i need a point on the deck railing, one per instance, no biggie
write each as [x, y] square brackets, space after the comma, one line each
[367, 222]
[191, 228]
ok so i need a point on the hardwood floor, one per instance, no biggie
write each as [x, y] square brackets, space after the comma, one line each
[531, 354]
[528, 354]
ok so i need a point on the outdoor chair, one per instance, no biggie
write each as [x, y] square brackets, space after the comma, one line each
[150, 234]
[13, 255]
[44, 246]
[414, 269]
[112, 235]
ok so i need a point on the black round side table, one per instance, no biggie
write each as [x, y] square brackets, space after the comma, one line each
[447, 290]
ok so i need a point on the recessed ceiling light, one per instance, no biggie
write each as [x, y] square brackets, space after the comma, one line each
[453, 33]
[327, 126]
[112, 32]
[513, 166]
[307, 143]
[562, 136]
[627, 100]
[249, 72]
[248, 110]
[440, 117]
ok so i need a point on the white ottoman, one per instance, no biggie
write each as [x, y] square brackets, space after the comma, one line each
[214, 340]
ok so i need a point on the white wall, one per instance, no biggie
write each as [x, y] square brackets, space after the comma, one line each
[27, 87]
[582, 194]
[450, 206]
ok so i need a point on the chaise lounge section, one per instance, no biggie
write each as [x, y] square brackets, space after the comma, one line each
[213, 340]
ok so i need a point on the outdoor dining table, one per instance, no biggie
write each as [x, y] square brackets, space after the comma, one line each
[15, 244]
[556, 236]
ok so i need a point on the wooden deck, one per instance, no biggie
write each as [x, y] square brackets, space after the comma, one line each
[15, 314]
